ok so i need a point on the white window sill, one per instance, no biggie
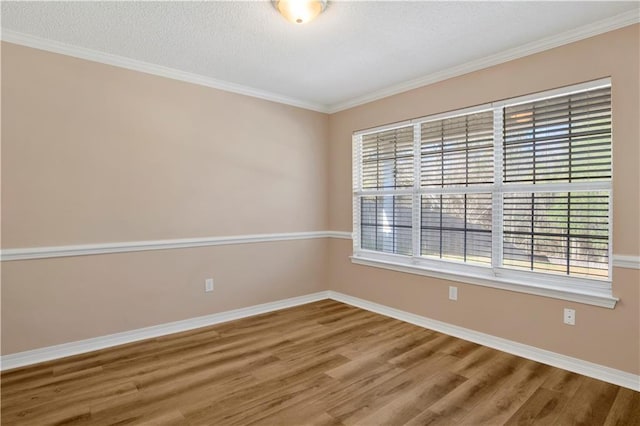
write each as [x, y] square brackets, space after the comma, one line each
[596, 297]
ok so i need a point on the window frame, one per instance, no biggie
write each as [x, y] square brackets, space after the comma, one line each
[575, 288]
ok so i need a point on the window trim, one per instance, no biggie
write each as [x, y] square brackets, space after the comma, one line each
[596, 292]
[595, 298]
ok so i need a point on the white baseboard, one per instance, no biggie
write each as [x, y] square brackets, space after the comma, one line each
[600, 372]
[586, 368]
[49, 353]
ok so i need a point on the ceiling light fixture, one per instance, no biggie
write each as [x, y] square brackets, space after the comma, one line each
[300, 11]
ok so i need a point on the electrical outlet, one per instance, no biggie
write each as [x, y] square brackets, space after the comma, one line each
[453, 293]
[208, 284]
[570, 316]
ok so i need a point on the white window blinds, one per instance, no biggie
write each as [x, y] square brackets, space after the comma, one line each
[563, 139]
[558, 228]
[456, 155]
[386, 215]
[521, 185]
[457, 151]
[387, 159]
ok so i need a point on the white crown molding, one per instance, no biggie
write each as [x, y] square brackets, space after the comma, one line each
[149, 68]
[597, 371]
[580, 33]
[49, 353]
[576, 365]
[576, 34]
[132, 246]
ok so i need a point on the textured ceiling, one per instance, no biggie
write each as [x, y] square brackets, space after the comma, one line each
[353, 49]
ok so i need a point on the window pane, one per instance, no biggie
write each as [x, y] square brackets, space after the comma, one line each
[564, 233]
[386, 224]
[457, 151]
[387, 159]
[562, 139]
[457, 227]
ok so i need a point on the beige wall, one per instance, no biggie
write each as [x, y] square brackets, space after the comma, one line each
[52, 301]
[93, 154]
[604, 336]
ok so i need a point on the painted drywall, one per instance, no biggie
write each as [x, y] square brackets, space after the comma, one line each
[604, 336]
[93, 153]
[60, 300]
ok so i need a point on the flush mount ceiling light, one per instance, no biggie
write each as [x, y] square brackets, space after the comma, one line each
[300, 11]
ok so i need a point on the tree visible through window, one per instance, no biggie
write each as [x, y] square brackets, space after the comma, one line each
[563, 141]
[522, 185]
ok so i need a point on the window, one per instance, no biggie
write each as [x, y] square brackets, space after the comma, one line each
[456, 161]
[387, 165]
[514, 192]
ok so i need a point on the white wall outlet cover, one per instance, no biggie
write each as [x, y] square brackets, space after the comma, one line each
[208, 284]
[453, 293]
[570, 316]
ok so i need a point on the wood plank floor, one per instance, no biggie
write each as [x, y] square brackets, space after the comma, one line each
[325, 363]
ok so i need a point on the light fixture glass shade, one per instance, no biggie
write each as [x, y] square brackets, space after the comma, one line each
[300, 11]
